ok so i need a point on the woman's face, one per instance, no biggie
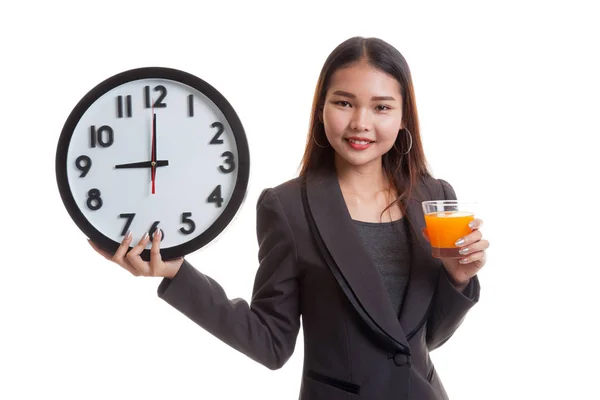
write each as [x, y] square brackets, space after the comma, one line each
[362, 114]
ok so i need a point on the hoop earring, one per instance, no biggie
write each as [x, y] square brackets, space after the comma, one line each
[321, 146]
[409, 146]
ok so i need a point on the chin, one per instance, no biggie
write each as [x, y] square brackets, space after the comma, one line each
[357, 160]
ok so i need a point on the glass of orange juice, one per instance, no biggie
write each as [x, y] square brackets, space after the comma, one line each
[447, 221]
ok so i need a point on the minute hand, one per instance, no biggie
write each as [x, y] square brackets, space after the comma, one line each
[143, 164]
[153, 155]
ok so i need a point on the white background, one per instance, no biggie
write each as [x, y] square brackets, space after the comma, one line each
[508, 97]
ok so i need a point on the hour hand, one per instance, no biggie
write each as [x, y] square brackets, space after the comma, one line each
[143, 164]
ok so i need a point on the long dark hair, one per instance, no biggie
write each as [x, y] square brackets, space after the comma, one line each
[402, 170]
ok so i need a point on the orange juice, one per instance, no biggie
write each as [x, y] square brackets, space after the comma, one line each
[444, 229]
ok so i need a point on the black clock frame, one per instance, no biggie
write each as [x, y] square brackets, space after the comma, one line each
[243, 162]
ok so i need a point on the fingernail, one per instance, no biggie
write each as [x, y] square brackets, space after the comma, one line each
[158, 233]
[472, 224]
[145, 236]
[464, 250]
[460, 242]
[128, 235]
[464, 261]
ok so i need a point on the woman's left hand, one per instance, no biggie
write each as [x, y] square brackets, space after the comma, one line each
[472, 248]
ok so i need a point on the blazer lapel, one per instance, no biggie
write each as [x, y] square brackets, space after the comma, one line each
[336, 229]
[423, 273]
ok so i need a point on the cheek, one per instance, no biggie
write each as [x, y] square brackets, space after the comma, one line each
[335, 123]
[388, 129]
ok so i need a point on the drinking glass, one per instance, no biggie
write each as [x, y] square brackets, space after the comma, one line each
[447, 221]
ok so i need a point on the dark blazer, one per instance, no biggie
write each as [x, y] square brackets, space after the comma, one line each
[313, 265]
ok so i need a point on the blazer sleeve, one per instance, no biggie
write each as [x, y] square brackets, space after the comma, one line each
[450, 306]
[266, 329]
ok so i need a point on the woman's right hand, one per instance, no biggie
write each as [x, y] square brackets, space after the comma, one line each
[132, 262]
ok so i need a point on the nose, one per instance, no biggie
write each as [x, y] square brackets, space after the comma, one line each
[360, 121]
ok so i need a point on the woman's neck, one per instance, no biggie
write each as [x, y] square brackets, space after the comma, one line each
[367, 192]
[362, 180]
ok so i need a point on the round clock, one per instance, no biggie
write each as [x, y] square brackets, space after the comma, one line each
[153, 148]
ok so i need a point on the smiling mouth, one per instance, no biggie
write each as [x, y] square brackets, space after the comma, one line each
[360, 141]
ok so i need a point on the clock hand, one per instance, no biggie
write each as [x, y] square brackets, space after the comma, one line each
[144, 164]
[153, 155]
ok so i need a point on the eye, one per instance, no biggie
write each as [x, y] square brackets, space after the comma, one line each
[342, 103]
[382, 107]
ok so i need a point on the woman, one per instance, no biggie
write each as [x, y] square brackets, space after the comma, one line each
[343, 246]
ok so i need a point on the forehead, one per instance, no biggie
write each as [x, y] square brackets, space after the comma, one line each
[363, 79]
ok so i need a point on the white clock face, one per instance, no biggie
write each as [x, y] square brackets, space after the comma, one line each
[110, 155]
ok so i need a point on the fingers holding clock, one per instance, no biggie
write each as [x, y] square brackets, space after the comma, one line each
[121, 253]
[131, 260]
[123, 247]
[134, 259]
[157, 265]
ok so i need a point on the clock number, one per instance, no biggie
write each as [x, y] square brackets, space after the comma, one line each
[120, 106]
[215, 197]
[94, 201]
[153, 229]
[130, 217]
[215, 139]
[159, 102]
[191, 105]
[185, 219]
[104, 137]
[83, 163]
[229, 161]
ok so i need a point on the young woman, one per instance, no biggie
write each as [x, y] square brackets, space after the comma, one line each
[343, 245]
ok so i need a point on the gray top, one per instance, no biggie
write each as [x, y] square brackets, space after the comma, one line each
[387, 243]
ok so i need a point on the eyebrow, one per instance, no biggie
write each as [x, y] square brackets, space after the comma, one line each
[350, 95]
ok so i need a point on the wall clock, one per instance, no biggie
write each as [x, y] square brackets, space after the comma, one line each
[153, 148]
